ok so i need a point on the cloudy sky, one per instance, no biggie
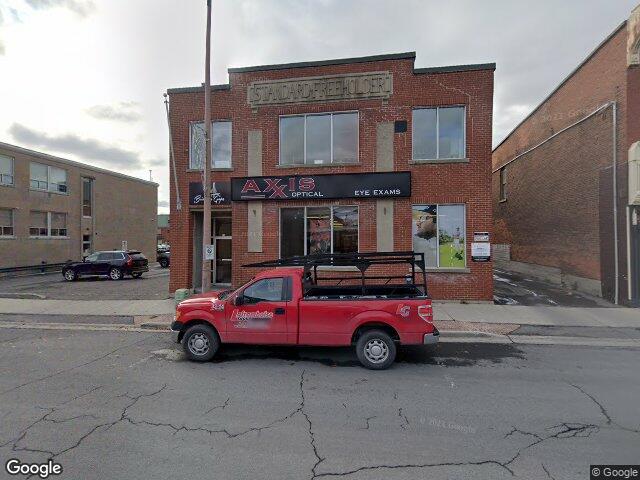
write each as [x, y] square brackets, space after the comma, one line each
[84, 79]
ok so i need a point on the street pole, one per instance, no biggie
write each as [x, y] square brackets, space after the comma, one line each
[206, 169]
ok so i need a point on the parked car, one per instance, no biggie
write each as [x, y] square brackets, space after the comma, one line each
[164, 258]
[114, 264]
[288, 306]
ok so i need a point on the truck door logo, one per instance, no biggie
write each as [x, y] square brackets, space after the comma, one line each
[245, 319]
[403, 310]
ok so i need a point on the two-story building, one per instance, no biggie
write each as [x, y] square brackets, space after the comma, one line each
[360, 154]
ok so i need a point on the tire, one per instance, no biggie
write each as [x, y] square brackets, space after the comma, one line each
[164, 263]
[115, 274]
[70, 275]
[136, 274]
[200, 343]
[376, 350]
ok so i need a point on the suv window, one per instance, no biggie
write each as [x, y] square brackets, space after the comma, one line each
[92, 258]
[266, 290]
[104, 256]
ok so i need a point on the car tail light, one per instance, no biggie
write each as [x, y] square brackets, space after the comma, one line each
[129, 261]
[425, 312]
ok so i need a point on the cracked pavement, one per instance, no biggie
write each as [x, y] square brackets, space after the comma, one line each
[114, 405]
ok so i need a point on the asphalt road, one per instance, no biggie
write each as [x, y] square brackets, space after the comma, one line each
[153, 285]
[112, 405]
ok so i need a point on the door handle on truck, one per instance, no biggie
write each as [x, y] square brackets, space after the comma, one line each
[279, 311]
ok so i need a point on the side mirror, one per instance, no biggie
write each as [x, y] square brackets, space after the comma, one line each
[238, 300]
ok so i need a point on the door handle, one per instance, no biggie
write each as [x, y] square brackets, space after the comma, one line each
[279, 311]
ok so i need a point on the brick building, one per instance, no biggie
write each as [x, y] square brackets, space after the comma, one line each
[53, 209]
[359, 154]
[556, 174]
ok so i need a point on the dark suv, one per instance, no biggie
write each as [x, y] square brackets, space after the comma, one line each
[164, 258]
[115, 264]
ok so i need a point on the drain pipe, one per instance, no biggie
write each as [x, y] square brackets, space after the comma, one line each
[615, 200]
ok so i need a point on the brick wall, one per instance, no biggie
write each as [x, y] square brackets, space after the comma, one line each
[559, 197]
[467, 183]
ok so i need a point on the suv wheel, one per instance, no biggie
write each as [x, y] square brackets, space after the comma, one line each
[69, 275]
[200, 343]
[376, 350]
[164, 263]
[115, 274]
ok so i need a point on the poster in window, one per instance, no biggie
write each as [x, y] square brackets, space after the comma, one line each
[424, 230]
[451, 237]
[318, 230]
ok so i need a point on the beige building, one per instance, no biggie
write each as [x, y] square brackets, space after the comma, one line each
[53, 210]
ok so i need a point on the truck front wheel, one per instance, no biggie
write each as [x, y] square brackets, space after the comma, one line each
[200, 343]
[376, 350]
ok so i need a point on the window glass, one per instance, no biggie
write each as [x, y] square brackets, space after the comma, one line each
[38, 176]
[425, 133]
[503, 183]
[38, 224]
[58, 224]
[6, 170]
[6, 222]
[345, 137]
[345, 229]
[103, 257]
[196, 146]
[451, 132]
[318, 230]
[291, 140]
[57, 180]
[221, 139]
[267, 290]
[92, 258]
[291, 232]
[87, 186]
[318, 139]
[451, 239]
[438, 232]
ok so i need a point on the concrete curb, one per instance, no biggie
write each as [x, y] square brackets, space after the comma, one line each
[24, 296]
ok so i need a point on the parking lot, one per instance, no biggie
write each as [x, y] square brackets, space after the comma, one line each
[153, 285]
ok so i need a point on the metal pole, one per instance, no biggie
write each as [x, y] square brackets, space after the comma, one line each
[206, 182]
[615, 202]
[173, 157]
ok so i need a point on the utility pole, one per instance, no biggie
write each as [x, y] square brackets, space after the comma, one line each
[206, 168]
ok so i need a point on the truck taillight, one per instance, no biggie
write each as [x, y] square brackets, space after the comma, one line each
[425, 313]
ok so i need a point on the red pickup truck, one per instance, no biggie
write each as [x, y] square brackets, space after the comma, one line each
[289, 306]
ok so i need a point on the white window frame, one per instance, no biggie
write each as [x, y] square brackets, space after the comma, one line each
[48, 235]
[12, 226]
[304, 143]
[213, 167]
[438, 205]
[331, 207]
[49, 183]
[3, 176]
[437, 157]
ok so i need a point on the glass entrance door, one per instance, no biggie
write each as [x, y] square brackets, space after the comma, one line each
[221, 239]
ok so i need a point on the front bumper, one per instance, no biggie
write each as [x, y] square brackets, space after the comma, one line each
[176, 326]
[431, 338]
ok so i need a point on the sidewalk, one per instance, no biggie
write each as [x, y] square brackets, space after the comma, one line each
[127, 308]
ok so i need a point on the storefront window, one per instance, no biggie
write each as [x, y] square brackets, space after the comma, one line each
[311, 230]
[220, 145]
[319, 139]
[438, 133]
[439, 232]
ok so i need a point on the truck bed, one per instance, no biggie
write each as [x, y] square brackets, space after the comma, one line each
[344, 292]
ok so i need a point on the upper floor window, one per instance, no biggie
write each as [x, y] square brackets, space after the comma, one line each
[438, 133]
[87, 191]
[46, 177]
[6, 222]
[503, 183]
[319, 139]
[6, 170]
[220, 145]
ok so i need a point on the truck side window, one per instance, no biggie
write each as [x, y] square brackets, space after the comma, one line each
[266, 290]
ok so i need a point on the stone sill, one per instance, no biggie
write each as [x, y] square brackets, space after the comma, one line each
[47, 238]
[434, 161]
[327, 165]
[199, 170]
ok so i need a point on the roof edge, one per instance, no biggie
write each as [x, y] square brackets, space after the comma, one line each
[322, 63]
[563, 82]
[455, 68]
[73, 163]
[223, 86]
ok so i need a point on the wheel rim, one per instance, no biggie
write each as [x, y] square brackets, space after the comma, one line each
[68, 275]
[198, 344]
[115, 274]
[376, 351]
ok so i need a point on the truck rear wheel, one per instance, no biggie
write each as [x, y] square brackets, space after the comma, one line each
[200, 343]
[376, 350]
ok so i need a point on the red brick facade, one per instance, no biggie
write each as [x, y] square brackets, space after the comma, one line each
[558, 210]
[465, 183]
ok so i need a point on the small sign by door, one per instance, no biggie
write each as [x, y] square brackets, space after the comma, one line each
[124, 245]
[209, 252]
